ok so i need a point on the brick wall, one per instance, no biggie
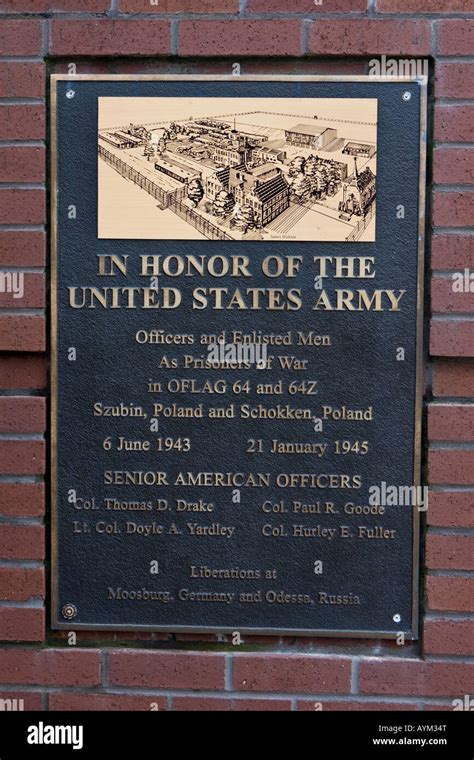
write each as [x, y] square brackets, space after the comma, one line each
[129, 671]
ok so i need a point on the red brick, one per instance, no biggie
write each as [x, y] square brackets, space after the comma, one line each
[22, 414]
[450, 594]
[20, 584]
[22, 164]
[25, 700]
[108, 636]
[202, 704]
[31, 296]
[451, 509]
[453, 166]
[414, 677]
[110, 37]
[219, 66]
[451, 467]
[446, 296]
[166, 670]
[452, 338]
[261, 705]
[452, 251]
[22, 79]
[369, 37]
[303, 66]
[179, 6]
[211, 638]
[292, 673]
[308, 705]
[22, 333]
[21, 541]
[308, 644]
[240, 37]
[22, 457]
[50, 6]
[22, 206]
[50, 667]
[20, 37]
[22, 499]
[110, 66]
[306, 6]
[210, 704]
[453, 377]
[22, 122]
[21, 624]
[23, 371]
[454, 80]
[449, 552]
[456, 36]
[448, 422]
[448, 637]
[454, 123]
[30, 293]
[22, 249]
[105, 702]
[425, 6]
[453, 209]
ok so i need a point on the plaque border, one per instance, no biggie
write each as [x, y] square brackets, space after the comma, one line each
[422, 82]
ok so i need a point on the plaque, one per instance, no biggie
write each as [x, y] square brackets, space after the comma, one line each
[237, 294]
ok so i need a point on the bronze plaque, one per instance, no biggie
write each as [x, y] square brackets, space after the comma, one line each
[236, 329]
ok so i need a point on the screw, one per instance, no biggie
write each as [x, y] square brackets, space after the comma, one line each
[406, 95]
[69, 611]
[397, 618]
[70, 94]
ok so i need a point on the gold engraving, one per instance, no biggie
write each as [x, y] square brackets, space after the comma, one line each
[325, 598]
[294, 447]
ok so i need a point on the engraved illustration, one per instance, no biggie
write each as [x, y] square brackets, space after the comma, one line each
[237, 168]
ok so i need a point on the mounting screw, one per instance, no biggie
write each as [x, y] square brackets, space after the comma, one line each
[69, 611]
[70, 94]
[397, 618]
[406, 95]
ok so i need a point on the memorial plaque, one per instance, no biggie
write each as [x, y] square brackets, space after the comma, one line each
[237, 272]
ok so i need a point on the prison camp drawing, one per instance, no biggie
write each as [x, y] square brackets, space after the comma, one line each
[237, 168]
